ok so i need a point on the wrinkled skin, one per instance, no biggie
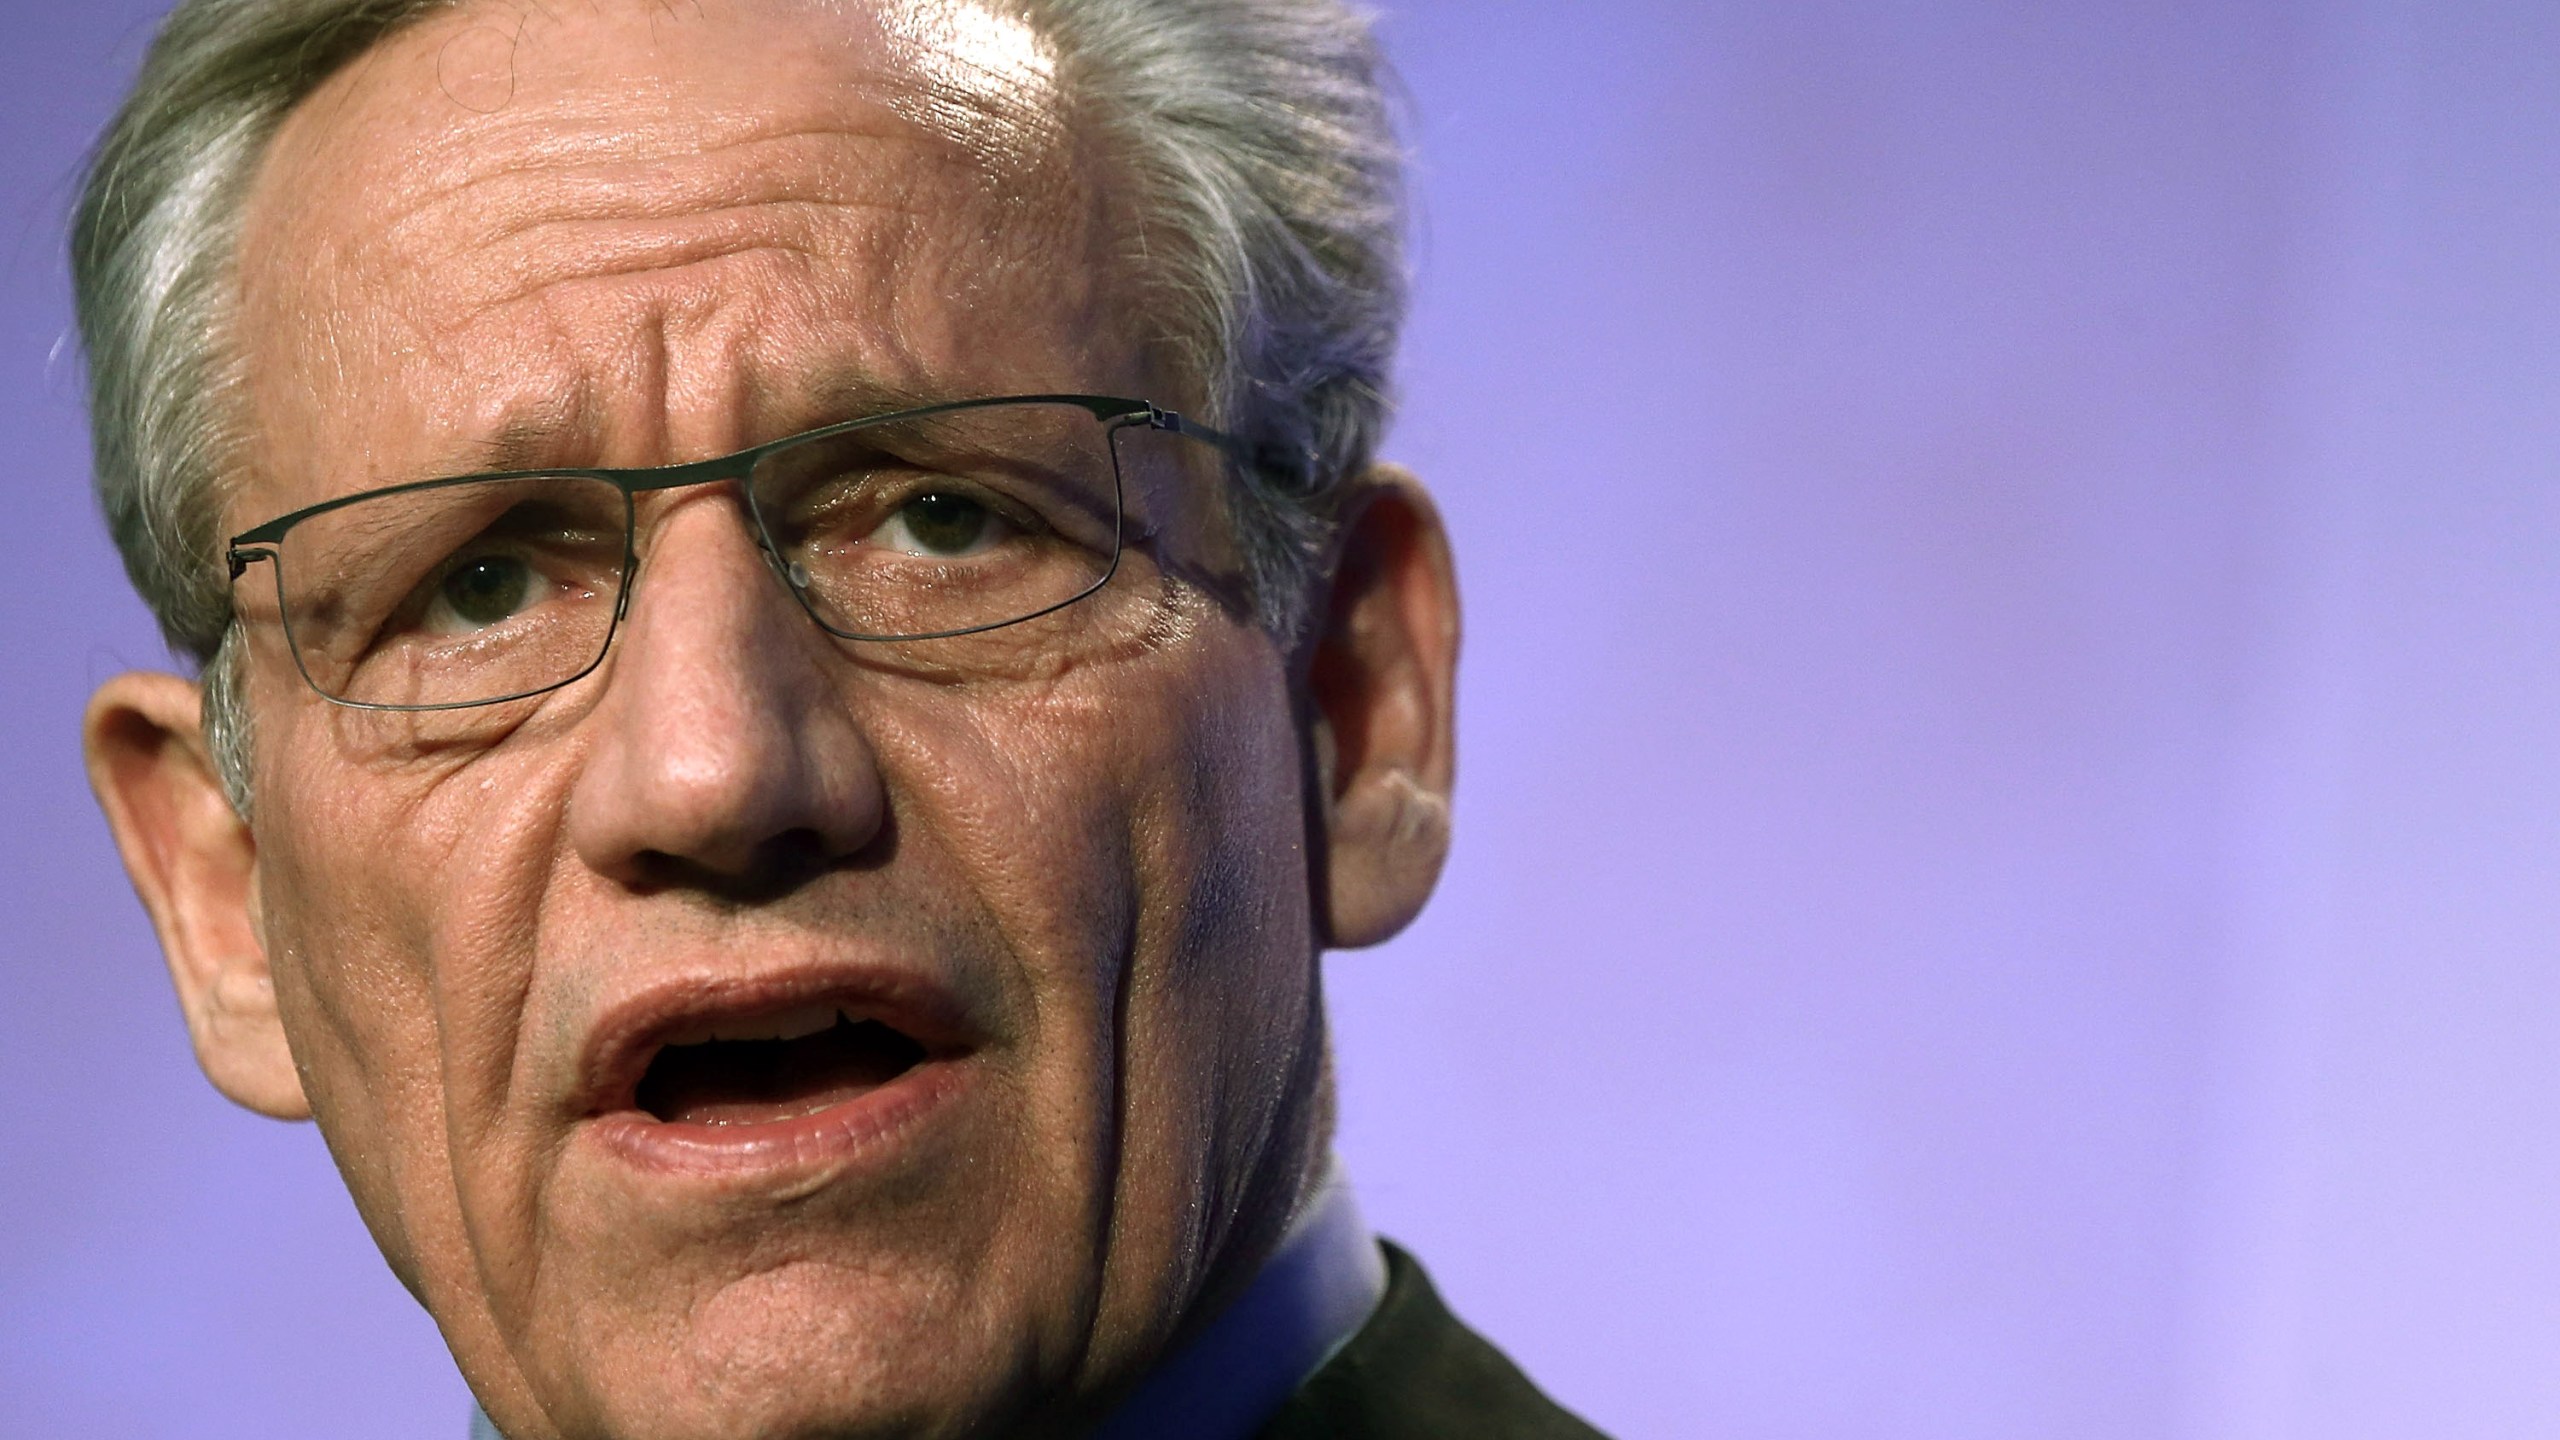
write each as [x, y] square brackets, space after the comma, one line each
[628, 234]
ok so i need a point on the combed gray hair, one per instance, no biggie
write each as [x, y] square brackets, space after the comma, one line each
[1257, 131]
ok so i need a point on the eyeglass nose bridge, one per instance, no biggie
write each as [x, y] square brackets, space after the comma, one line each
[737, 468]
[676, 477]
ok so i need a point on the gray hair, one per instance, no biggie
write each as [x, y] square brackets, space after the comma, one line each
[1270, 195]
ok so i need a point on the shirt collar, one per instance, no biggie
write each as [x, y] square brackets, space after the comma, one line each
[1315, 1292]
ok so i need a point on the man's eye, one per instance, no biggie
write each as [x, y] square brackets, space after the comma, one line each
[486, 590]
[941, 525]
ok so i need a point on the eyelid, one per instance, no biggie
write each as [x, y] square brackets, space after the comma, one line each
[411, 612]
[885, 503]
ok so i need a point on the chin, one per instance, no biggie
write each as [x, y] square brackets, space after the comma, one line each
[803, 1351]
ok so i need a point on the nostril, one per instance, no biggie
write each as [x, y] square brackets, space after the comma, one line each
[771, 870]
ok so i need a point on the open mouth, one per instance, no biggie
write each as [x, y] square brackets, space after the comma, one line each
[777, 1066]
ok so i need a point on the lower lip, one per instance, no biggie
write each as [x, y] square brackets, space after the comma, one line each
[865, 1132]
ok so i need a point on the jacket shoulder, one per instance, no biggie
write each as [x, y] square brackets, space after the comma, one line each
[1416, 1372]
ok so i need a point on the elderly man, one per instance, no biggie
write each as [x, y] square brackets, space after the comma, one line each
[801, 645]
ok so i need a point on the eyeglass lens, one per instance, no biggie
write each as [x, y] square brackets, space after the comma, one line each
[917, 527]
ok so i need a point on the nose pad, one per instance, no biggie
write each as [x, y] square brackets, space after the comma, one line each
[791, 572]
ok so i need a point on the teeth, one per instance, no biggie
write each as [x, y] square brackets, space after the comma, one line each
[788, 1024]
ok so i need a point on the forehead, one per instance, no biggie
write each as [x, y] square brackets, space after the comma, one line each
[646, 230]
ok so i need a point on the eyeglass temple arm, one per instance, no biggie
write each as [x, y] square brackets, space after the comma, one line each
[1295, 465]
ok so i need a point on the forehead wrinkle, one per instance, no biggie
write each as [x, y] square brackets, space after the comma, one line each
[526, 226]
[784, 161]
[557, 427]
[675, 259]
[821, 196]
[657, 148]
[661, 148]
[554, 412]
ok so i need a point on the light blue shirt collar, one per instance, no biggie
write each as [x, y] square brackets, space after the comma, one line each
[1318, 1288]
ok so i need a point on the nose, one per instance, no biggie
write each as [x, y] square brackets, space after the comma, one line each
[723, 753]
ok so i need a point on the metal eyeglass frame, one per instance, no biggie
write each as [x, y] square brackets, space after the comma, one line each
[1115, 413]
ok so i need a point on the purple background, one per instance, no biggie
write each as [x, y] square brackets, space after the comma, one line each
[2011, 748]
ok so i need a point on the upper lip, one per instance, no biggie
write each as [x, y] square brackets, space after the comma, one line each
[633, 1028]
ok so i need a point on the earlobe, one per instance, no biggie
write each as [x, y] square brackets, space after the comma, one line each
[193, 862]
[1381, 678]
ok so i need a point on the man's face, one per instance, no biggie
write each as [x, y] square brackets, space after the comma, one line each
[1072, 882]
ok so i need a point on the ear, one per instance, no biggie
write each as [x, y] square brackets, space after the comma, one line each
[1381, 680]
[195, 865]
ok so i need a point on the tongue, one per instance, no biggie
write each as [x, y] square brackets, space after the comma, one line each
[752, 1082]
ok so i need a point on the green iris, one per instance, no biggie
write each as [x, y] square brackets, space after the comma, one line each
[944, 524]
[487, 590]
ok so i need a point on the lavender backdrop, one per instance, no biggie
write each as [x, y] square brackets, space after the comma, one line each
[2012, 748]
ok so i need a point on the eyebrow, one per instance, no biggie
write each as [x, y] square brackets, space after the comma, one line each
[527, 442]
[537, 438]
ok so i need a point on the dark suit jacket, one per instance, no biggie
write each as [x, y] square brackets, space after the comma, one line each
[1415, 1373]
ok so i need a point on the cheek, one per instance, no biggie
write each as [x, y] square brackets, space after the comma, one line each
[1171, 787]
[1220, 996]
[1136, 832]
[400, 903]
[1153, 799]
[1214, 1031]
[341, 949]
[386, 869]
[1223, 842]
[348, 942]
